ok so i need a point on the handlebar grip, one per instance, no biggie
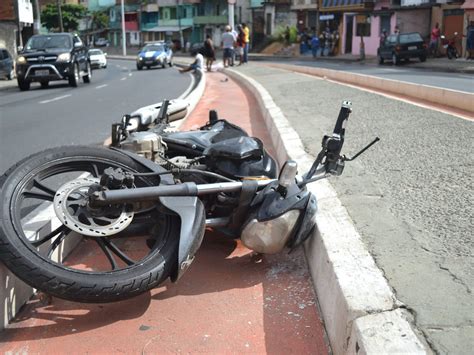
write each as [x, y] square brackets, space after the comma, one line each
[346, 109]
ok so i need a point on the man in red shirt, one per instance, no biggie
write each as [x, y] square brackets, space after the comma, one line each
[434, 42]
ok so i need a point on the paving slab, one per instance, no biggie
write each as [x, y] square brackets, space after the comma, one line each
[229, 301]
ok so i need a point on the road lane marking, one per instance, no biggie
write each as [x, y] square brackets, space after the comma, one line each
[129, 74]
[101, 86]
[124, 78]
[55, 99]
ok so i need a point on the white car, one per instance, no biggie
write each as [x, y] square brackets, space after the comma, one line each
[98, 59]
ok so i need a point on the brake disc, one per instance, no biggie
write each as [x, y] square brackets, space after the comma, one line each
[71, 207]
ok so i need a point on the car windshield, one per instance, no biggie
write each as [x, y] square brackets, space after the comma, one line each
[153, 48]
[46, 42]
[95, 52]
[410, 37]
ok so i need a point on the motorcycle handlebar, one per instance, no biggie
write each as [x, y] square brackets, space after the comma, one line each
[346, 109]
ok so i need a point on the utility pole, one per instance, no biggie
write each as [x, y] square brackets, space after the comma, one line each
[231, 7]
[37, 20]
[181, 38]
[124, 44]
[60, 16]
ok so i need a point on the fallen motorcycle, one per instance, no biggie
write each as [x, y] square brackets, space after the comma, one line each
[132, 215]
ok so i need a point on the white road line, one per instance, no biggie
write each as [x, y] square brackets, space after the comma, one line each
[55, 99]
[129, 74]
[124, 78]
[101, 86]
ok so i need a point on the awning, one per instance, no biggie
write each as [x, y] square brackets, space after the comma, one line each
[167, 29]
[468, 5]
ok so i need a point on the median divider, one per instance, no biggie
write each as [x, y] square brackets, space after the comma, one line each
[14, 293]
[360, 310]
[457, 100]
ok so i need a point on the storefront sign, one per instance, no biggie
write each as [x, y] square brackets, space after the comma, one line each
[326, 17]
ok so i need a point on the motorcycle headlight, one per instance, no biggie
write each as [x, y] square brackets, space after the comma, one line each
[21, 60]
[64, 57]
[132, 124]
[269, 237]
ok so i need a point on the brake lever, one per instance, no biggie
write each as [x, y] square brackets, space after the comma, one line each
[345, 158]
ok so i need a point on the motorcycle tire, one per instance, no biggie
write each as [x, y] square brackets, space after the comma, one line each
[94, 284]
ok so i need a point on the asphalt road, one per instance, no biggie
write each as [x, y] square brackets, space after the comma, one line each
[61, 115]
[410, 196]
[453, 81]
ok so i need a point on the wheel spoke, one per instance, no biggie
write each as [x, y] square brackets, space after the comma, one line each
[38, 195]
[107, 253]
[95, 171]
[43, 240]
[56, 243]
[43, 187]
[113, 248]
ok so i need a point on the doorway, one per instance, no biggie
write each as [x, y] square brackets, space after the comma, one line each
[349, 27]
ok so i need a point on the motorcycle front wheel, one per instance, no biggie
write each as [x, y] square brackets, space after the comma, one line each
[41, 250]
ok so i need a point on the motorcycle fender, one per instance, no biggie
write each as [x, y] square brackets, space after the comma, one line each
[193, 223]
[306, 224]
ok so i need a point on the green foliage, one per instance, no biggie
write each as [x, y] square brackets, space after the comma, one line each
[72, 14]
[280, 34]
[99, 20]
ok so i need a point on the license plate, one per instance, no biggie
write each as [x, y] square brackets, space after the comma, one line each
[42, 72]
[412, 48]
[149, 62]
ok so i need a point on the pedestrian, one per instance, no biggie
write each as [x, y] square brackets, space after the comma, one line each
[315, 45]
[396, 30]
[247, 42]
[209, 52]
[234, 33]
[383, 37]
[198, 63]
[287, 35]
[434, 41]
[470, 41]
[228, 41]
[240, 43]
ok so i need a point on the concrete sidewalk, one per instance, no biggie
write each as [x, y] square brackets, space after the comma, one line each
[230, 301]
[411, 215]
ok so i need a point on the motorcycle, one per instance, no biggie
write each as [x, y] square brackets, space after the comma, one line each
[450, 46]
[134, 214]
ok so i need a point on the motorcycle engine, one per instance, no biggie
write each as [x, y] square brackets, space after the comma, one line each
[151, 146]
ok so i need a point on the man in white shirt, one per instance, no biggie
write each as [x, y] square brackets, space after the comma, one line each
[228, 41]
[196, 65]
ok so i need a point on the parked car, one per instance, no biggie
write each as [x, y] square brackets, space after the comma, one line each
[402, 46]
[155, 54]
[6, 64]
[97, 58]
[102, 42]
[51, 57]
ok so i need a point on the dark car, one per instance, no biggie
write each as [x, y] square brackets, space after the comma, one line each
[402, 46]
[51, 57]
[6, 64]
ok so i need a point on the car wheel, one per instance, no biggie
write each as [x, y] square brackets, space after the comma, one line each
[395, 59]
[74, 78]
[139, 67]
[44, 84]
[23, 85]
[380, 59]
[87, 78]
[423, 58]
[163, 65]
[11, 75]
[148, 67]
[171, 62]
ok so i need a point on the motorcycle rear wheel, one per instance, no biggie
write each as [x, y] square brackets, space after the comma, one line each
[98, 269]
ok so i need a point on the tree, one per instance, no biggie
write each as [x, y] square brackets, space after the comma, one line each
[72, 14]
[99, 20]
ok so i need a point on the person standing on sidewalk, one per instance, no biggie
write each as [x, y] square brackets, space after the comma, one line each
[470, 40]
[240, 43]
[228, 41]
[209, 52]
[315, 45]
[434, 42]
[247, 42]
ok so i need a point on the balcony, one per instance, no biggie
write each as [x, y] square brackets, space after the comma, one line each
[185, 22]
[304, 4]
[256, 3]
[149, 8]
[131, 26]
[211, 20]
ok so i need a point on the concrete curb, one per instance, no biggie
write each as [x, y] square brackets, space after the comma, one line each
[14, 293]
[455, 99]
[361, 313]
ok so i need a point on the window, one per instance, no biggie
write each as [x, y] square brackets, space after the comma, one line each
[385, 23]
[410, 37]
